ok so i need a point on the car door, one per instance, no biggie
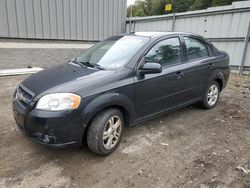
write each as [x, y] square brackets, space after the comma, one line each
[199, 65]
[158, 92]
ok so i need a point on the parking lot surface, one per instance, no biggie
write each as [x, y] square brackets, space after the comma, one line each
[190, 147]
[17, 53]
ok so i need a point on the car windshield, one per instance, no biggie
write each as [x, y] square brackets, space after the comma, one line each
[114, 52]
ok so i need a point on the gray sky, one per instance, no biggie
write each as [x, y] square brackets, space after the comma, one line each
[130, 2]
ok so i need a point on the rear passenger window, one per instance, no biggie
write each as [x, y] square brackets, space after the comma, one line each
[195, 48]
[166, 52]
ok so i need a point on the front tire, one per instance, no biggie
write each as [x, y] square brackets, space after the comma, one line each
[211, 95]
[105, 131]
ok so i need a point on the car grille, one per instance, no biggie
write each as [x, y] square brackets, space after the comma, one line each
[23, 96]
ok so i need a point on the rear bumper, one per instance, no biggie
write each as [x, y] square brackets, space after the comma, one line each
[52, 129]
[226, 78]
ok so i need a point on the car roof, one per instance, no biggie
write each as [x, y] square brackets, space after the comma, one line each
[154, 34]
[158, 34]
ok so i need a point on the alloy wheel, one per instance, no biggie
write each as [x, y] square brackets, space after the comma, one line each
[112, 132]
[212, 95]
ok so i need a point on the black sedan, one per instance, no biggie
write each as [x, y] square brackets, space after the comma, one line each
[119, 82]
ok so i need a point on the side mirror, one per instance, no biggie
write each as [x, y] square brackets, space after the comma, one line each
[150, 68]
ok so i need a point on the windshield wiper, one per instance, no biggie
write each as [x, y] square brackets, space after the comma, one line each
[97, 66]
[93, 65]
[87, 64]
[77, 62]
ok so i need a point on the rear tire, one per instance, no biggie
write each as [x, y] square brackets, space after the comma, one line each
[105, 131]
[210, 95]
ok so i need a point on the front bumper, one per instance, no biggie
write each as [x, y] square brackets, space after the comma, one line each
[52, 129]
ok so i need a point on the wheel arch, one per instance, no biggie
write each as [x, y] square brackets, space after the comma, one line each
[109, 100]
[218, 77]
[104, 102]
[220, 82]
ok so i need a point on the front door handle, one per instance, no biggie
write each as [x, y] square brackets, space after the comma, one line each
[179, 74]
[211, 66]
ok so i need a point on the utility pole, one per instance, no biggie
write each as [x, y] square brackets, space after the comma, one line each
[241, 67]
[130, 19]
[173, 22]
[131, 10]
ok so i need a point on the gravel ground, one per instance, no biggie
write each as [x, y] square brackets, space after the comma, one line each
[187, 148]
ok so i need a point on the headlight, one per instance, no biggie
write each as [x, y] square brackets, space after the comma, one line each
[59, 101]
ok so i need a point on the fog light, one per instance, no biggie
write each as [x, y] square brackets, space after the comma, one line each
[48, 139]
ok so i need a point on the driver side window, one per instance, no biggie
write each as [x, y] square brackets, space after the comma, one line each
[166, 52]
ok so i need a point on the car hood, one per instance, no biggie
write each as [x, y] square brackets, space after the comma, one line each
[63, 78]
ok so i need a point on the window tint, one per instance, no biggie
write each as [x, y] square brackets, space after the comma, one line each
[166, 52]
[195, 48]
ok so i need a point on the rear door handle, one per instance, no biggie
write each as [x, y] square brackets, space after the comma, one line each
[179, 74]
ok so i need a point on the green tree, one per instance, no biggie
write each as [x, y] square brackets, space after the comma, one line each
[180, 6]
[146, 8]
[137, 9]
[221, 2]
[200, 4]
[156, 7]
